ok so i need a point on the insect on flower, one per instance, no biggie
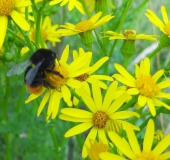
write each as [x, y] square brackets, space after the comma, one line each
[37, 67]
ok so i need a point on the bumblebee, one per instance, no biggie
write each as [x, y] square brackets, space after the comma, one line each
[36, 67]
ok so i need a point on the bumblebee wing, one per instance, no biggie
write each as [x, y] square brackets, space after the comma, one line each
[29, 77]
[18, 68]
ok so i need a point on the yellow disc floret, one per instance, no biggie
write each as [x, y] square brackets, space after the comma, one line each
[6, 7]
[59, 78]
[146, 156]
[147, 86]
[84, 25]
[130, 34]
[82, 77]
[100, 119]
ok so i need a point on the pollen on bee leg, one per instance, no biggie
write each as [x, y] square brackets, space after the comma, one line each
[57, 80]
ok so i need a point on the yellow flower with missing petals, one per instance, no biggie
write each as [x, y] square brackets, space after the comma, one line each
[133, 151]
[71, 4]
[62, 83]
[101, 111]
[144, 85]
[88, 77]
[48, 31]
[129, 35]
[8, 8]
[85, 25]
[164, 25]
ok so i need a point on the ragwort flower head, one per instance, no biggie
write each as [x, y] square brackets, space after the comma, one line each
[144, 85]
[48, 31]
[129, 35]
[133, 151]
[164, 25]
[89, 77]
[85, 25]
[101, 111]
[8, 8]
[71, 4]
[60, 84]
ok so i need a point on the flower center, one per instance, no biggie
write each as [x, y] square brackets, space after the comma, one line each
[129, 34]
[147, 86]
[84, 25]
[33, 33]
[44, 34]
[6, 7]
[167, 28]
[146, 156]
[95, 149]
[58, 77]
[99, 119]
[82, 77]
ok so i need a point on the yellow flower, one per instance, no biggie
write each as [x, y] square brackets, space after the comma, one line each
[95, 149]
[88, 77]
[101, 111]
[133, 151]
[129, 35]
[61, 84]
[164, 25]
[144, 85]
[48, 31]
[8, 8]
[84, 25]
[71, 4]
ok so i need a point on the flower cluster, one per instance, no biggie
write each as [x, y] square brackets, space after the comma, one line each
[90, 83]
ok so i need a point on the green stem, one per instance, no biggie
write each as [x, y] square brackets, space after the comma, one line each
[21, 97]
[16, 36]
[29, 43]
[123, 17]
[155, 51]
[130, 103]
[54, 139]
[4, 118]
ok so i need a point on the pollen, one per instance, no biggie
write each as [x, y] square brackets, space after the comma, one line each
[84, 25]
[58, 77]
[167, 28]
[146, 156]
[95, 149]
[100, 119]
[146, 86]
[6, 7]
[82, 77]
[129, 34]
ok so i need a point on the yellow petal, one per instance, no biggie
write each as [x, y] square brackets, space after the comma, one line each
[43, 102]
[133, 141]
[124, 115]
[149, 136]
[162, 145]
[164, 14]
[119, 143]
[78, 113]
[151, 106]
[91, 136]
[107, 156]
[73, 119]
[20, 21]
[4, 23]
[78, 129]
[65, 54]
